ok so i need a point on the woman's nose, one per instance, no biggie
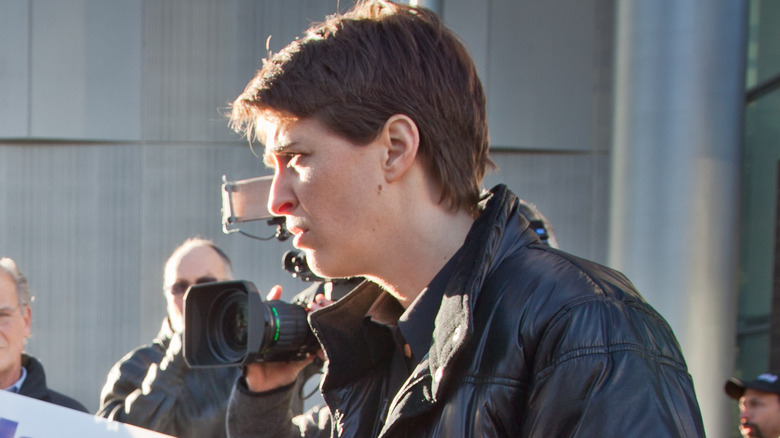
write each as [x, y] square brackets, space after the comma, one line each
[281, 200]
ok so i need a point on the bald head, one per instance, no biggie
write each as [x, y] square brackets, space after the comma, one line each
[196, 261]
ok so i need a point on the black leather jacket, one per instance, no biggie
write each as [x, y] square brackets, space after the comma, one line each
[169, 398]
[529, 341]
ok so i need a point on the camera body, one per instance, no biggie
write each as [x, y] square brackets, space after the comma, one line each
[229, 324]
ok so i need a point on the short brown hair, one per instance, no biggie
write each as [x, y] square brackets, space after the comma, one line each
[355, 70]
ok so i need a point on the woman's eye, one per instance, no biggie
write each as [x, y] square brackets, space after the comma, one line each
[292, 159]
[283, 159]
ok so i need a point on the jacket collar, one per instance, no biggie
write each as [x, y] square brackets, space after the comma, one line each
[498, 231]
[165, 334]
[35, 384]
[487, 242]
[338, 328]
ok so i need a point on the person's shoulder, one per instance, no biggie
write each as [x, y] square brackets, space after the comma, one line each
[140, 357]
[63, 400]
[585, 301]
[571, 277]
[546, 287]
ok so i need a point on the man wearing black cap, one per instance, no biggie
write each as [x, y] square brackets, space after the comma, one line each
[759, 405]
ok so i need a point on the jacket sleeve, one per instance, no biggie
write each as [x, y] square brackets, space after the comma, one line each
[611, 368]
[125, 378]
[143, 389]
[270, 414]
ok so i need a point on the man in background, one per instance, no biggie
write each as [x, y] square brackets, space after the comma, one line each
[20, 372]
[759, 405]
[152, 386]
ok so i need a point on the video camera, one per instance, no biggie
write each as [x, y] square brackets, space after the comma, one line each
[228, 323]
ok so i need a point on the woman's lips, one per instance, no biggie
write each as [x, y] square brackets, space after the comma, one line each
[298, 234]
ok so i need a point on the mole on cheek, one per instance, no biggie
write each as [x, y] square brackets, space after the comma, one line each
[379, 189]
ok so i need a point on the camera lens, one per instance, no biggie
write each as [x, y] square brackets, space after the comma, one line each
[287, 335]
[234, 325]
[228, 326]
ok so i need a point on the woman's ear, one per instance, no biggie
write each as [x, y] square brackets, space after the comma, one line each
[402, 140]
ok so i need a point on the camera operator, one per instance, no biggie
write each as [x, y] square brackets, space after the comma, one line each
[468, 326]
[152, 386]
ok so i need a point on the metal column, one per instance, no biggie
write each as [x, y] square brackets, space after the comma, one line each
[679, 102]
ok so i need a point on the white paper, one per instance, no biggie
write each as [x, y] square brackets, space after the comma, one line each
[25, 417]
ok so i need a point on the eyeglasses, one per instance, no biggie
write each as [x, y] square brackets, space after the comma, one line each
[180, 287]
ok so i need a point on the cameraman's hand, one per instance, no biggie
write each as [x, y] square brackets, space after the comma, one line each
[174, 355]
[266, 376]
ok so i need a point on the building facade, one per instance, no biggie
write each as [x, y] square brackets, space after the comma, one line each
[625, 122]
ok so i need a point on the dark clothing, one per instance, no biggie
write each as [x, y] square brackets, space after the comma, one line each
[153, 388]
[417, 322]
[34, 386]
[528, 341]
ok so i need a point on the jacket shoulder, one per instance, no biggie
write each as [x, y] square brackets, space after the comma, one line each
[63, 400]
[577, 305]
[590, 341]
[35, 386]
[139, 359]
[128, 373]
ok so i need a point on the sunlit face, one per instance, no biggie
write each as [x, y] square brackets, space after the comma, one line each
[14, 329]
[759, 414]
[330, 192]
[196, 265]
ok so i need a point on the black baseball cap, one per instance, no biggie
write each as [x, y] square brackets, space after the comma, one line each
[767, 382]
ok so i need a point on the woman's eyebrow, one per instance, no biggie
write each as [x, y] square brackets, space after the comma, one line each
[278, 148]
